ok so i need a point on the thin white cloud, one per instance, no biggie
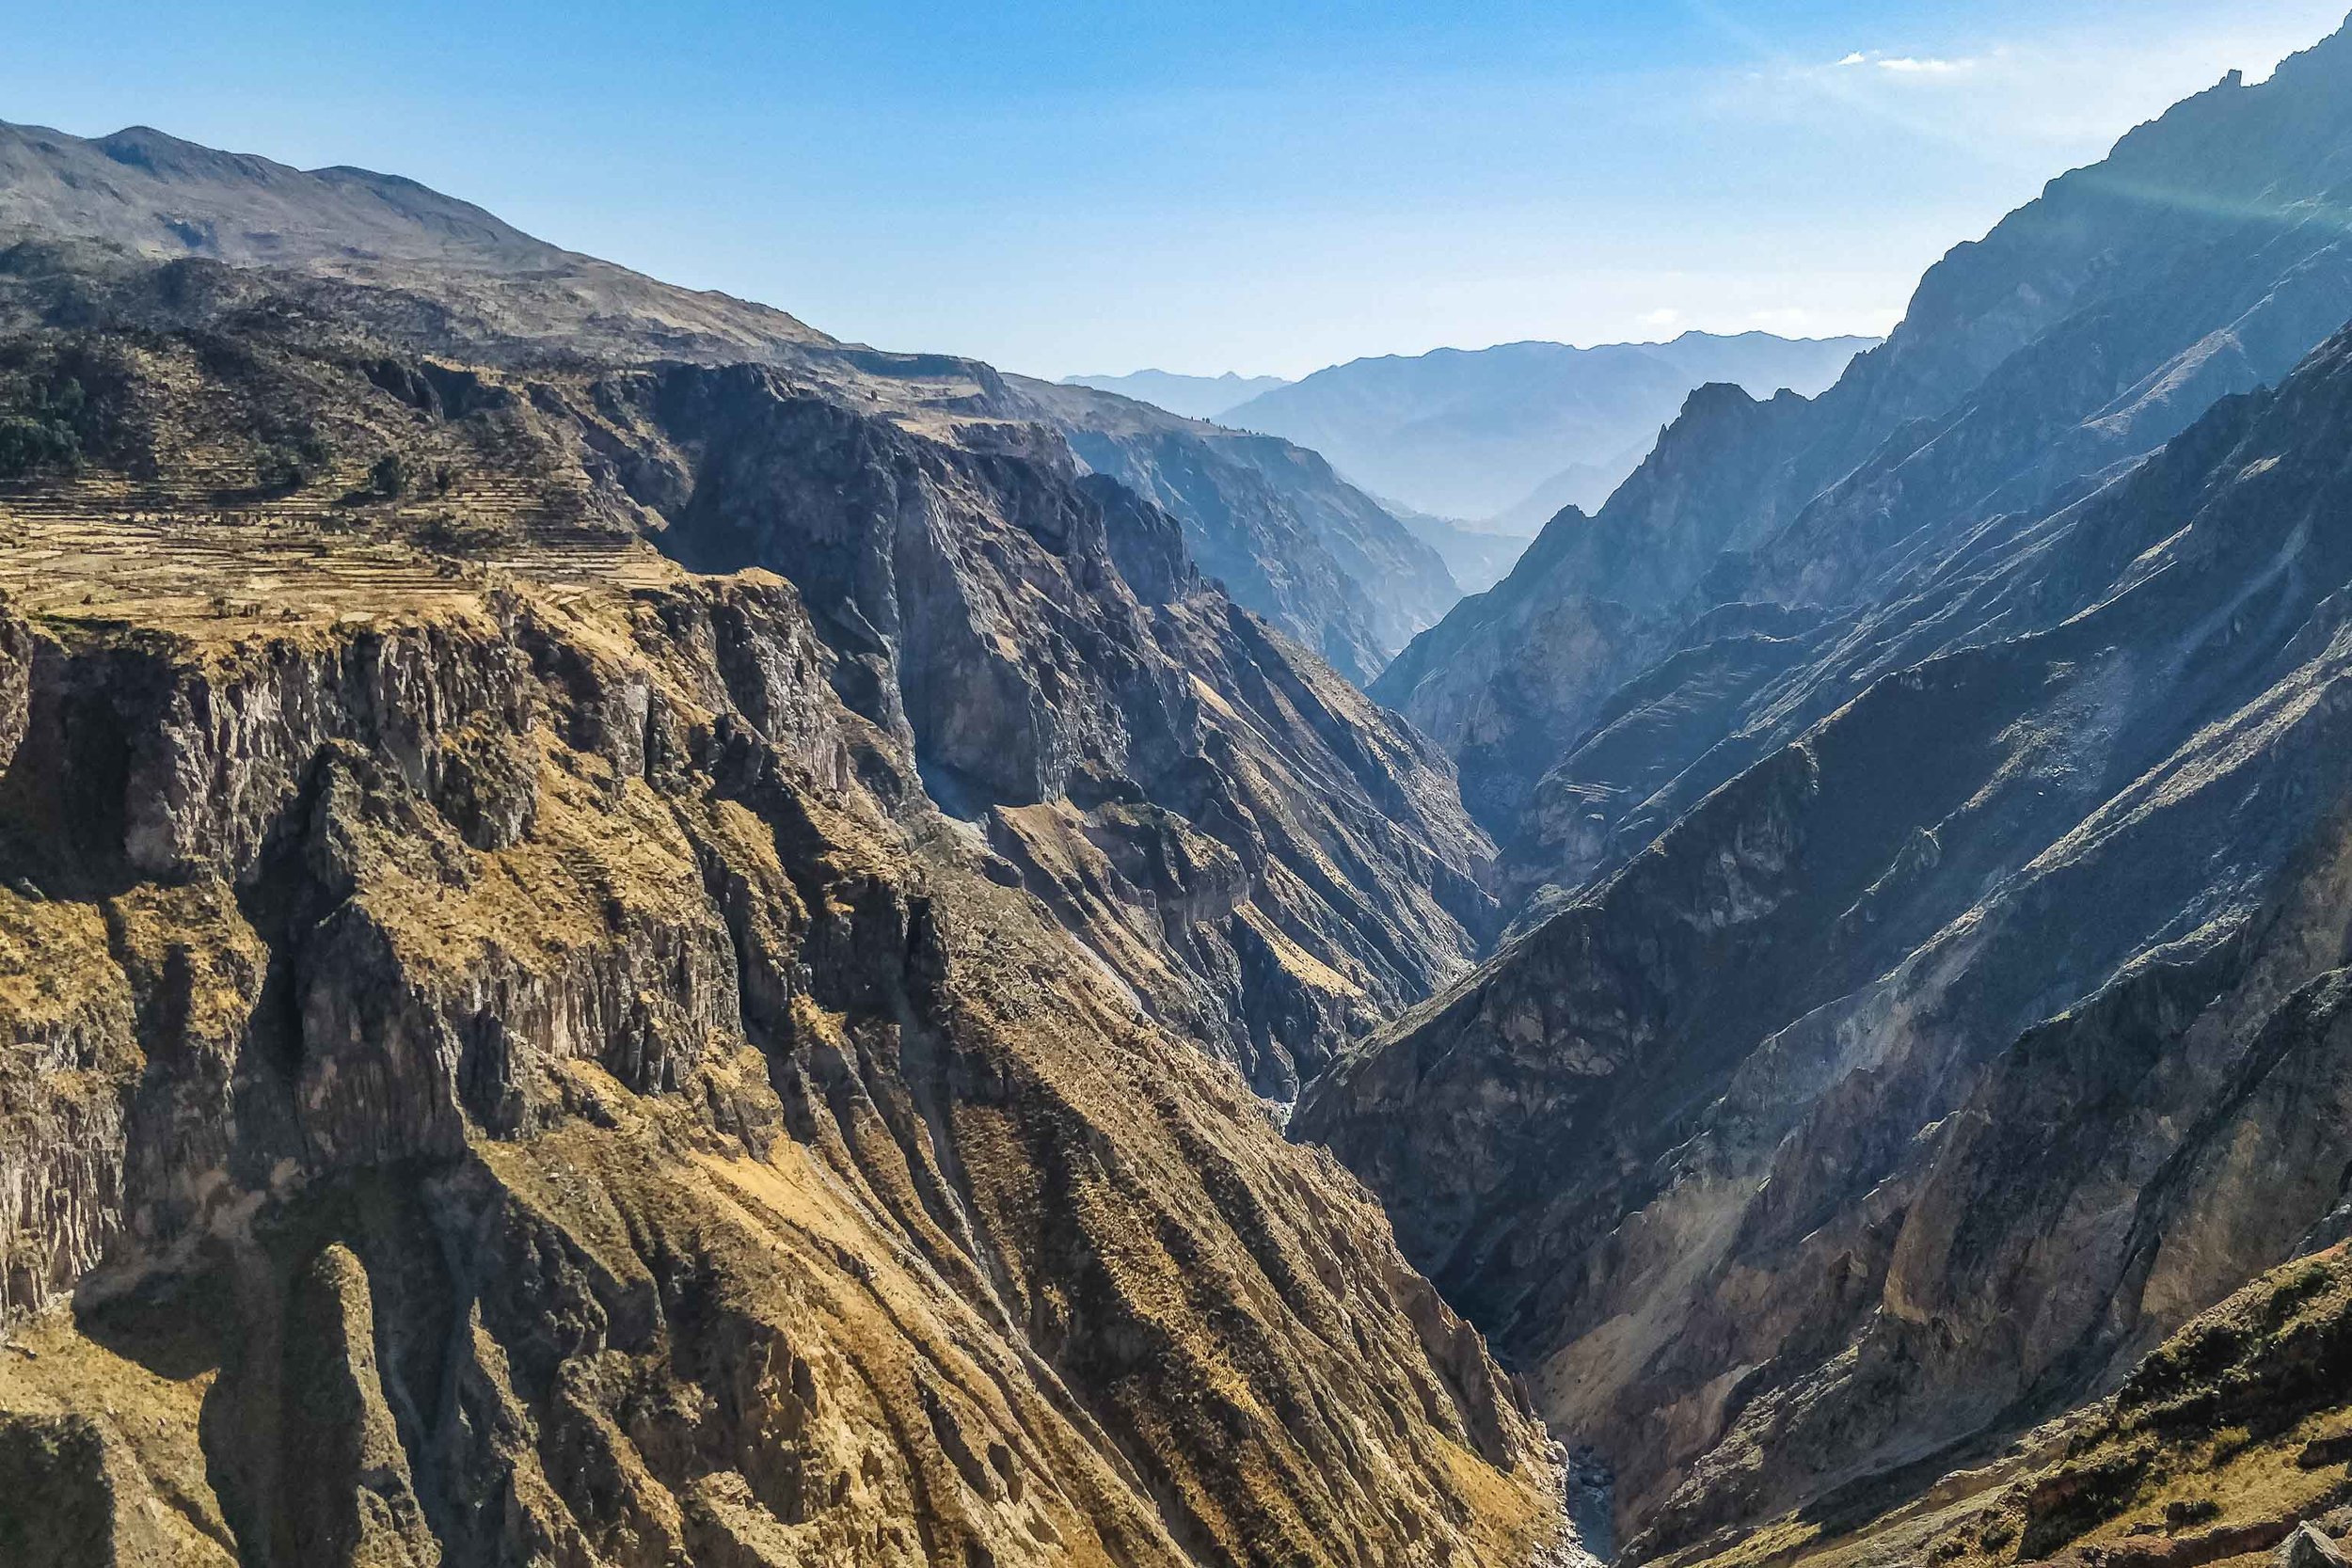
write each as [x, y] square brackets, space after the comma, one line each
[1906, 65]
[1663, 316]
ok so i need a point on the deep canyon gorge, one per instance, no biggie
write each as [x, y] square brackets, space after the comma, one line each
[633, 935]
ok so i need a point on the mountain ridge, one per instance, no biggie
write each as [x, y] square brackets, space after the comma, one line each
[1259, 522]
[2127, 283]
[1922, 1001]
[1193, 397]
[1844, 998]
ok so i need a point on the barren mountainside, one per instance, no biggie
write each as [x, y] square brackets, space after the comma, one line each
[1920, 1078]
[640, 958]
[497, 1082]
[1910, 1123]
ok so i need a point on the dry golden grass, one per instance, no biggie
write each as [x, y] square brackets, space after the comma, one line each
[2208, 1435]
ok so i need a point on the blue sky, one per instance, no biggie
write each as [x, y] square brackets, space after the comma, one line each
[1264, 187]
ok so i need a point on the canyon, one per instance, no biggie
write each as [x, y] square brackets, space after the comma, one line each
[633, 934]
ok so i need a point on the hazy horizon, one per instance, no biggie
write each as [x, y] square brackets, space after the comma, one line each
[1455, 348]
[1064, 194]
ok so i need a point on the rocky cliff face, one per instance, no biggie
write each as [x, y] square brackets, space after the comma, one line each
[1268, 860]
[1241, 836]
[1925, 1075]
[642, 960]
[2199, 259]
[1504, 678]
[505, 1066]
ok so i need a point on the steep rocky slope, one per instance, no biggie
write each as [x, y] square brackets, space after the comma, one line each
[1924, 1076]
[1261, 854]
[1317, 558]
[2204, 255]
[505, 1067]
[2227, 1443]
[523, 1053]
[1511, 676]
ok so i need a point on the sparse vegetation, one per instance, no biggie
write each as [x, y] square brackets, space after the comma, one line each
[388, 479]
[2081, 1495]
[2228, 1434]
[47, 435]
[292, 460]
[2187, 1512]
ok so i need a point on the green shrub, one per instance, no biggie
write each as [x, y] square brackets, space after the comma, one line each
[29, 446]
[281, 467]
[45, 433]
[389, 477]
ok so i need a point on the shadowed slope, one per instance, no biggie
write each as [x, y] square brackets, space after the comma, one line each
[1922, 1074]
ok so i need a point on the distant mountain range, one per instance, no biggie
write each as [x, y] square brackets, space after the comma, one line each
[1515, 431]
[1286, 536]
[1479, 555]
[1196, 397]
[1475, 449]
